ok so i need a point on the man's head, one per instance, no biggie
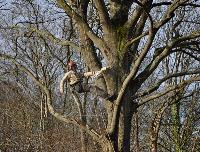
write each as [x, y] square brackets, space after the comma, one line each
[71, 65]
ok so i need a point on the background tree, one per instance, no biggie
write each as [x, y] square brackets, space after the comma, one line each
[143, 43]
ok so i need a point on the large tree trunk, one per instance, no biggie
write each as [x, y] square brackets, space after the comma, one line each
[128, 113]
[128, 109]
[121, 136]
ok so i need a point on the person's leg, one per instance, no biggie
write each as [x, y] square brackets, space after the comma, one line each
[94, 90]
[86, 87]
[98, 92]
[101, 93]
[79, 88]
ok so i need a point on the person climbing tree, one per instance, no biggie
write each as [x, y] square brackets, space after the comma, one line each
[75, 80]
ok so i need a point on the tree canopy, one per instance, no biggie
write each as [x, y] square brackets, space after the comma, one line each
[152, 51]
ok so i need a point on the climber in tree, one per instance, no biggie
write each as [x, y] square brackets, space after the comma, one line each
[75, 80]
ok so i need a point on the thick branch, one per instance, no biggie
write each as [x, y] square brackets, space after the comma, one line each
[130, 42]
[130, 24]
[119, 12]
[142, 55]
[136, 34]
[82, 23]
[52, 38]
[104, 16]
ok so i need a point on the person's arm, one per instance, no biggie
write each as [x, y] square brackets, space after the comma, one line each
[63, 81]
[94, 73]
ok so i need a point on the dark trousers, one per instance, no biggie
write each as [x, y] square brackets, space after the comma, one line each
[83, 87]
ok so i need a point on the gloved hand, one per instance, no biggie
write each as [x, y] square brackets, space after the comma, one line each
[97, 74]
[104, 68]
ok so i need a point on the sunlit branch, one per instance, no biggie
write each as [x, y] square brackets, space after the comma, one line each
[135, 40]
[147, 12]
[135, 17]
[104, 16]
[145, 33]
[54, 39]
[87, 30]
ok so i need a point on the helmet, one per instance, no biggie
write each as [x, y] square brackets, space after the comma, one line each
[71, 64]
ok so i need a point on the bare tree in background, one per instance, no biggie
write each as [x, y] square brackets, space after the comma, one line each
[140, 42]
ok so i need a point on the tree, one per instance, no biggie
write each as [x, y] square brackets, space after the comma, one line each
[133, 38]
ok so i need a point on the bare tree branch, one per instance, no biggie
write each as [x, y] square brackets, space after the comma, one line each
[85, 127]
[169, 3]
[170, 12]
[169, 89]
[160, 56]
[159, 82]
[128, 79]
[52, 38]
[87, 30]
[104, 16]
[130, 42]
[190, 54]
[193, 35]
